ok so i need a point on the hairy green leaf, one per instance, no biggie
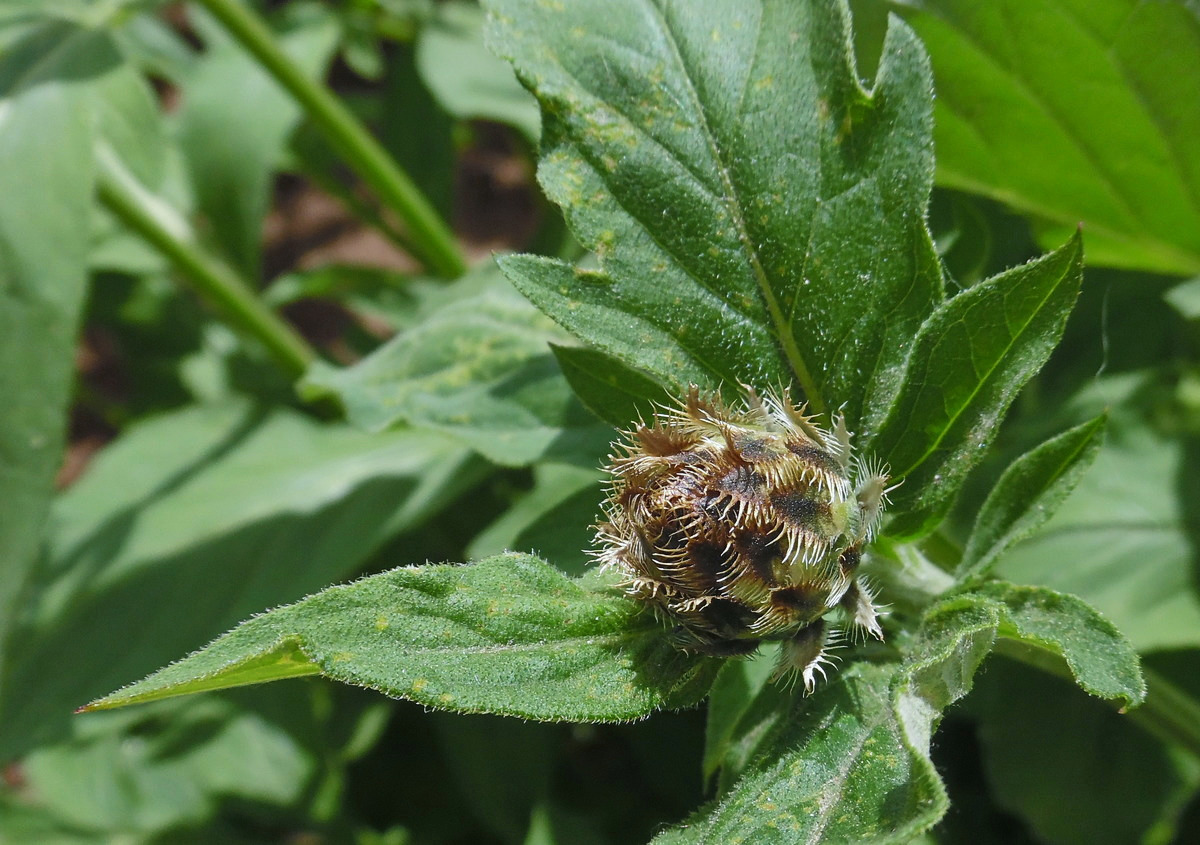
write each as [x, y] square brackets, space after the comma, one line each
[851, 763]
[508, 635]
[970, 358]
[194, 520]
[1121, 542]
[44, 226]
[1101, 660]
[1075, 110]
[478, 369]
[1028, 494]
[758, 216]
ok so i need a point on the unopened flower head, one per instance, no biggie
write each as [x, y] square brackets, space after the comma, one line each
[744, 524]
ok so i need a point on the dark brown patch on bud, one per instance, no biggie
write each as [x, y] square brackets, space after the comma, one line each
[760, 553]
[848, 561]
[805, 601]
[801, 509]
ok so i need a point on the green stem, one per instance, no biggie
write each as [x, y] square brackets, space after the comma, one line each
[1168, 712]
[214, 281]
[432, 239]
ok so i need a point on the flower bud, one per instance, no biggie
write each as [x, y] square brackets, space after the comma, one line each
[744, 524]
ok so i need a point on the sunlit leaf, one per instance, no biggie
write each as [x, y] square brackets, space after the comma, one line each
[1028, 494]
[758, 216]
[508, 635]
[971, 357]
[1075, 112]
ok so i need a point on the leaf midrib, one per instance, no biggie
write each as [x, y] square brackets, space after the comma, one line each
[731, 199]
[987, 375]
[597, 639]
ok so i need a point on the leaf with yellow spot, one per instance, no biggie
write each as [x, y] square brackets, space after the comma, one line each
[442, 648]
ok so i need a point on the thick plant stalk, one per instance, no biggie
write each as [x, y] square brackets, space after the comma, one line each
[213, 280]
[431, 238]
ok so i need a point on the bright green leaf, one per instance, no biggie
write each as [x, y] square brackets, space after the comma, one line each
[757, 215]
[508, 635]
[1120, 541]
[466, 80]
[191, 522]
[970, 358]
[1075, 111]
[45, 216]
[851, 762]
[147, 771]
[1028, 494]
[1185, 298]
[478, 369]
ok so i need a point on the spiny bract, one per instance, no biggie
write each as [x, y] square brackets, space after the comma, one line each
[744, 524]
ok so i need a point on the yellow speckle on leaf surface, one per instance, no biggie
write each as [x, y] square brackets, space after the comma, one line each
[381, 622]
[342, 656]
[419, 684]
[445, 698]
[766, 83]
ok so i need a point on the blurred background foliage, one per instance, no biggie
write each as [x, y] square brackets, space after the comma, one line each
[161, 478]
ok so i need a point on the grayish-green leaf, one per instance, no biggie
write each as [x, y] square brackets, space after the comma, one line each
[479, 369]
[757, 215]
[1185, 298]
[144, 772]
[1101, 660]
[194, 520]
[233, 126]
[1075, 110]
[1028, 494]
[508, 635]
[46, 186]
[1075, 770]
[1120, 541]
[970, 359]
[851, 762]
[468, 81]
